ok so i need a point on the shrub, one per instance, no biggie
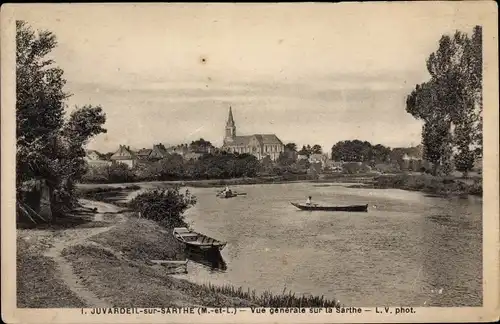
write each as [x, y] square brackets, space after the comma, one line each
[165, 206]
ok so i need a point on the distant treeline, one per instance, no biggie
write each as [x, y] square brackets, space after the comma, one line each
[209, 166]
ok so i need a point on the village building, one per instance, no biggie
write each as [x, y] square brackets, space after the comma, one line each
[180, 149]
[318, 158]
[334, 166]
[125, 155]
[192, 156]
[411, 163]
[259, 145]
[143, 154]
[94, 159]
[158, 152]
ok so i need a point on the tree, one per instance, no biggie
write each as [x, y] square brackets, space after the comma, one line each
[291, 147]
[48, 147]
[353, 151]
[166, 206]
[120, 172]
[316, 149]
[39, 104]
[305, 151]
[200, 145]
[285, 160]
[380, 153]
[450, 103]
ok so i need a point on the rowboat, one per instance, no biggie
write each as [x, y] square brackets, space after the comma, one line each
[316, 207]
[232, 195]
[197, 240]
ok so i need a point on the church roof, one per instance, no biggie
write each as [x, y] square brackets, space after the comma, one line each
[263, 139]
[269, 139]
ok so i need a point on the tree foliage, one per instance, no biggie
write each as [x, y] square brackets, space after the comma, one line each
[291, 147]
[165, 206]
[200, 145]
[316, 149]
[450, 103]
[48, 146]
[360, 151]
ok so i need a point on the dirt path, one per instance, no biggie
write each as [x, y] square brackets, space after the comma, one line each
[71, 237]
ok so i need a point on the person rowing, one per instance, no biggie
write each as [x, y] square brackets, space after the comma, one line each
[308, 201]
[226, 192]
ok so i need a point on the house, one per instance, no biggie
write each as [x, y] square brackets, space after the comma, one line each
[411, 163]
[334, 166]
[259, 145]
[125, 155]
[318, 158]
[192, 156]
[143, 154]
[93, 159]
[180, 149]
[158, 152]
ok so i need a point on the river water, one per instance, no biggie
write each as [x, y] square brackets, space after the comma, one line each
[408, 249]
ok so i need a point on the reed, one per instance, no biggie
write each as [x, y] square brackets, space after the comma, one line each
[269, 299]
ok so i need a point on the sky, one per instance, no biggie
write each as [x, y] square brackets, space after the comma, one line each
[310, 73]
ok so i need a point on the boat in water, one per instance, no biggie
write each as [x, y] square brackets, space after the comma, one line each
[316, 207]
[197, 240]
[230, 194]
[211, 259]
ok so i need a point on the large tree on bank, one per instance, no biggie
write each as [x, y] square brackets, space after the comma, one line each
[450, 103]
[49, 147]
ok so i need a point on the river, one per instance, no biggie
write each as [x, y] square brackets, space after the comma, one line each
[409, 249]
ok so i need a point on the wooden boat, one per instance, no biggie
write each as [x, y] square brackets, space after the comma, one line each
[316, 207]
[232, 195]
[197, 240]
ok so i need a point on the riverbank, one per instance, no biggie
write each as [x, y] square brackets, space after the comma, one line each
[434, 185]
[210, 183]
[103, 262]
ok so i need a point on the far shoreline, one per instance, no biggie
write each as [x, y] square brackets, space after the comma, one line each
[441, 187]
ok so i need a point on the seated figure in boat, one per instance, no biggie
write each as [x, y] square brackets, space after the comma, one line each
[226, 192]
[308, 201]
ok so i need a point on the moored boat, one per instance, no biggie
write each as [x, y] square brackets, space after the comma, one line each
[316, 207]
[197, 240]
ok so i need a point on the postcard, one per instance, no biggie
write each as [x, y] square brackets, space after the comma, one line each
[250, 162]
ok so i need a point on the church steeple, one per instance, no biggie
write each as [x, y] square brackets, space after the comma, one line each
[230, 120]
[230, 132]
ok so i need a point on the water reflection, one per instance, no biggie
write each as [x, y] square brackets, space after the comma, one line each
[211, 259]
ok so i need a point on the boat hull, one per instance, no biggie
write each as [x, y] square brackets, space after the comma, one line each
[223, 196]
[197, 241]
[353, 208]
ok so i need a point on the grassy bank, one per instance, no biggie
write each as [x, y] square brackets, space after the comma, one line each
[142, 239]
[38, 282]
[129, 281]
[440, 186]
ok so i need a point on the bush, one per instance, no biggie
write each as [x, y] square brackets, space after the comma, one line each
[165, 206]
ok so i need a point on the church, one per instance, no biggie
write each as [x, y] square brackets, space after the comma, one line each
[259, 145]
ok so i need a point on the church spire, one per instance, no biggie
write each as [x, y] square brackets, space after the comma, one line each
[230, 120]
[230, 131]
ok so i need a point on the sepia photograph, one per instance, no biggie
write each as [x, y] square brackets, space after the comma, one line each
[221, 162]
